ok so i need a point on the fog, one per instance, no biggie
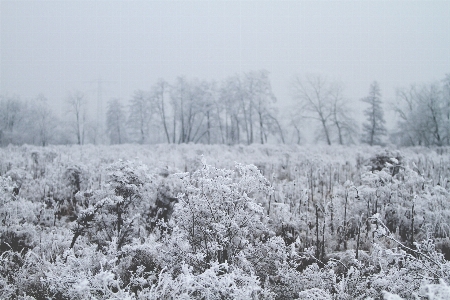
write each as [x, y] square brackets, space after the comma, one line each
[112, 48]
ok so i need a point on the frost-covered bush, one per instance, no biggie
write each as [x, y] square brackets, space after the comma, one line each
[165, 198]
[83, 274]
[218, 212]
[439, 291]
[400, 271]
[215, 221]
[7, 187]
[20, 275]
[315, 293]
[114, 212]
[18, 218]
[139, 265]
[212, 283]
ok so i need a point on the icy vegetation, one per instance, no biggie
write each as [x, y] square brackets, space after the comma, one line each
[218, 222]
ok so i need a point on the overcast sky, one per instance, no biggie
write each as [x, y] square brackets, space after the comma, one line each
[53, 47]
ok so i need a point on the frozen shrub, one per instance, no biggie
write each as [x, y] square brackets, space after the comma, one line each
[17, 176]
[390, 296]
[116, 211]
[74, 178]
[17, 238]
[218, 212]
[20, 276]
[7, 187]
[314, 293]
[10, 264]
[17, 217]
[83, 274]
[440, 291]
[210, 284]
[379, 161]
[139, 266]
[166, 197]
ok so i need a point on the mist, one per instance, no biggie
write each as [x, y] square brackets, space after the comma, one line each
[110, 49]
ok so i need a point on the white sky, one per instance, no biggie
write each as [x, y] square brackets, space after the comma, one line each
[53, 47]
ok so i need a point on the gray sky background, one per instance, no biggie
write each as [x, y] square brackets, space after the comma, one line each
[53, 47]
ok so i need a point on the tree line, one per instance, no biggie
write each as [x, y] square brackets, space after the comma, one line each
[240, 109]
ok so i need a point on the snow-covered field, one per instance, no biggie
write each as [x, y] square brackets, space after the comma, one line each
[217, 222]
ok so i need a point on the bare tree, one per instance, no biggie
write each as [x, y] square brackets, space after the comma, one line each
[43, 119]
[140, 115]
[219, 108]
[199, 113]
[210, 129]
[431, 104]
[314, 101]
[345, 126]
[446, 107]
[262, 100]
[179, 94]
[192, 105]
[8, 113]
[423, 112]
[158, 97]
[230, 99]
[115, 122]
[12, 115]
[374, 128]
[77, 108]
[409, 131]
[248, 105]
[296, 123]
[274, 125]
[246, 90]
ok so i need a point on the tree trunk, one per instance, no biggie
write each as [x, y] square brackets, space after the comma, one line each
[182, 132]
[345, 220]
[317, 232]
[411, 241]
[261, 128]
[208, 125]
[358, 238]
[325, 129]
[163, 114]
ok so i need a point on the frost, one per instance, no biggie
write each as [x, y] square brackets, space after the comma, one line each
[286, 222]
